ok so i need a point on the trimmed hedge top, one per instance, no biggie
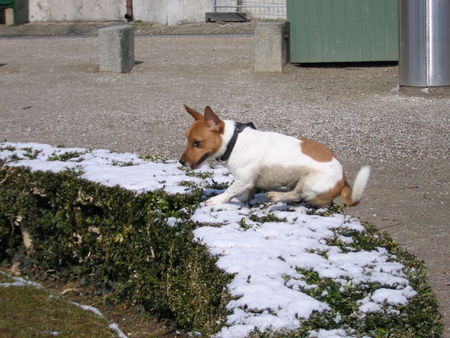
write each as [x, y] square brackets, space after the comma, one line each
[136, 231]
[111, 169]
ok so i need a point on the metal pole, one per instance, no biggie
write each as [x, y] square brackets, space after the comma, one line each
[424, 43]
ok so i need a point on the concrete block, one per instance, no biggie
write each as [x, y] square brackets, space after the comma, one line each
[9, 16]
[116, 48]
[270, 46]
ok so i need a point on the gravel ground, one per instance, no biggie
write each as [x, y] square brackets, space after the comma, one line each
[51, 92]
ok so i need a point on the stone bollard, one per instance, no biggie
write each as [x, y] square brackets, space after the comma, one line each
[270, 46]
[116, 48]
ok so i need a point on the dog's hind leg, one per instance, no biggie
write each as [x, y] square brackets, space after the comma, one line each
[294, 195]
[289, 196]
[308, 191]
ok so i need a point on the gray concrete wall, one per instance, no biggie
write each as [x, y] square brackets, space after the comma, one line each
[76, 10]
[171, 12]
[167, 12]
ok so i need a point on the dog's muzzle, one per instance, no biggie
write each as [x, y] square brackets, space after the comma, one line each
[185, 163]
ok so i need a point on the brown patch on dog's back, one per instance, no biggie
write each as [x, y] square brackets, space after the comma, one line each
[317, 151]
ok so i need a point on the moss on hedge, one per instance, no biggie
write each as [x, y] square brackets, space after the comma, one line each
[116, 240]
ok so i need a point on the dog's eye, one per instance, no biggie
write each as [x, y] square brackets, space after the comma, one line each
[196, 143]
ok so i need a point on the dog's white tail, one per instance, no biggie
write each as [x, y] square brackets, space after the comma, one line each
[360, 183]
[353, 196]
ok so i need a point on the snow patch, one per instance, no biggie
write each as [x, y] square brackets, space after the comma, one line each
[108, 168]
[268, 259]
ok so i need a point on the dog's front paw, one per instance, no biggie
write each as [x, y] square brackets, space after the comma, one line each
[216, 200]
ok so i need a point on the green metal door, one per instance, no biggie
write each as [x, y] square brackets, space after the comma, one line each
[343, 30]
[6, 3]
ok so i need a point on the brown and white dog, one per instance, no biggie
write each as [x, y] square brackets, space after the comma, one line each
[305, 169]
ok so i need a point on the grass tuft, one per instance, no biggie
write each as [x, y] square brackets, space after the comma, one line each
[31, 312]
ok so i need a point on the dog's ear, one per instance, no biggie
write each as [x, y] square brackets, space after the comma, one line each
[195, 114]
[213, 120]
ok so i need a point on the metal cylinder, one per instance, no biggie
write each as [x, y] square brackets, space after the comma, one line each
[424, 43]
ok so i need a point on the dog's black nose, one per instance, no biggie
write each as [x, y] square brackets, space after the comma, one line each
[182, 161]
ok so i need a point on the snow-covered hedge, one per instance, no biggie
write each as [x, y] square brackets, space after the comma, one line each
[135, 230]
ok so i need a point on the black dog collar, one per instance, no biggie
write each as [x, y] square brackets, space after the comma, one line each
[238, 128]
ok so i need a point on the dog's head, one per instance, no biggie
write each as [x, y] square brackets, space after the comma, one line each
[204, 138]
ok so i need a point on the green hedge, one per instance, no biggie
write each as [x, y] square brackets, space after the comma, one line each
[120, 243]
[115, 240]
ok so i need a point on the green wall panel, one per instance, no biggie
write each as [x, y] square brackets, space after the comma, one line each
[343, 30]
[6, 2]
